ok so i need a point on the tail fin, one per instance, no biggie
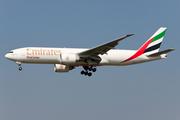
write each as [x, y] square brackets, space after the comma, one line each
[153, 44]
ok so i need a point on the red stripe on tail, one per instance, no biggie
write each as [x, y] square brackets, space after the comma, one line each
[140, 51]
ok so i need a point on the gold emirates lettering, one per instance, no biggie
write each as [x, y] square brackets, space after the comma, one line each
[42, 52]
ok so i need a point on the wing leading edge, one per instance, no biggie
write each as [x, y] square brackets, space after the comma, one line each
[102, 49]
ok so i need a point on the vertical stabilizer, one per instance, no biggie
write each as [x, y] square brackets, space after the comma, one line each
[155, 41]
[151, 46]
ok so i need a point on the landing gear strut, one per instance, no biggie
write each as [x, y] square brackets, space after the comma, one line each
[87, 68]
[19, 64]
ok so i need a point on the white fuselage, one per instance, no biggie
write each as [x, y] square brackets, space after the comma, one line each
[43, 55]
[66, 59]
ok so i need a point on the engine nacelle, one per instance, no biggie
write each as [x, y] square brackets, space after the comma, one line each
[61, 68]
[66, 58]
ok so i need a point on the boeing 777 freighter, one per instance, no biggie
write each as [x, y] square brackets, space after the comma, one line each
[66, 59]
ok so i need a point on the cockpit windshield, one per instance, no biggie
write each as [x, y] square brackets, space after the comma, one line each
[11, 52]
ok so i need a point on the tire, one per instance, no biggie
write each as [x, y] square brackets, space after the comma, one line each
[94, 70]
[85, 73]
[20, 68]
[82, 72]
[89, 74]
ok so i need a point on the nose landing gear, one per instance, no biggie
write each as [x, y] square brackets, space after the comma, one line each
[20, 68]
[87, 68]
[19, 64]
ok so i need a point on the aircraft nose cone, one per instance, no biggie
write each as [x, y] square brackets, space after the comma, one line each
[10, 56]
[7, 56]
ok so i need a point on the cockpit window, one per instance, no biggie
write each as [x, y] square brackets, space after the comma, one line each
[11, 52]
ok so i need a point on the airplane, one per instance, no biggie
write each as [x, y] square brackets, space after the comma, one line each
[66, 59]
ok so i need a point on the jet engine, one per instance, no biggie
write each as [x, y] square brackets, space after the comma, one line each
[62, 68]
[68, 58]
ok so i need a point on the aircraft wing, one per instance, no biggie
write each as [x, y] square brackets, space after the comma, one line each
[102, 49]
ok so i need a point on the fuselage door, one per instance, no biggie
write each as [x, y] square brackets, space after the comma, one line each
[23, 52]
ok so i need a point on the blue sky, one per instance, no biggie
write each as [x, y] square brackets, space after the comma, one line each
[144, 91]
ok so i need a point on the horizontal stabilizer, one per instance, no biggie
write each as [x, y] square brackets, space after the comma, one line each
[160, 53]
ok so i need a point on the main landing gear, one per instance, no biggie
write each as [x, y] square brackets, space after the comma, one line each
[19, 64]
[87, 68]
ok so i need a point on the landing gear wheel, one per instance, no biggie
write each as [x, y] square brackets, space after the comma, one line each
[87, 70]
[89, 74]
[94, 69]
[20, 68]
[82, 72]
[85, 73]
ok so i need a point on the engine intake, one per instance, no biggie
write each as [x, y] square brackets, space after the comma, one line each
[62, 68]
